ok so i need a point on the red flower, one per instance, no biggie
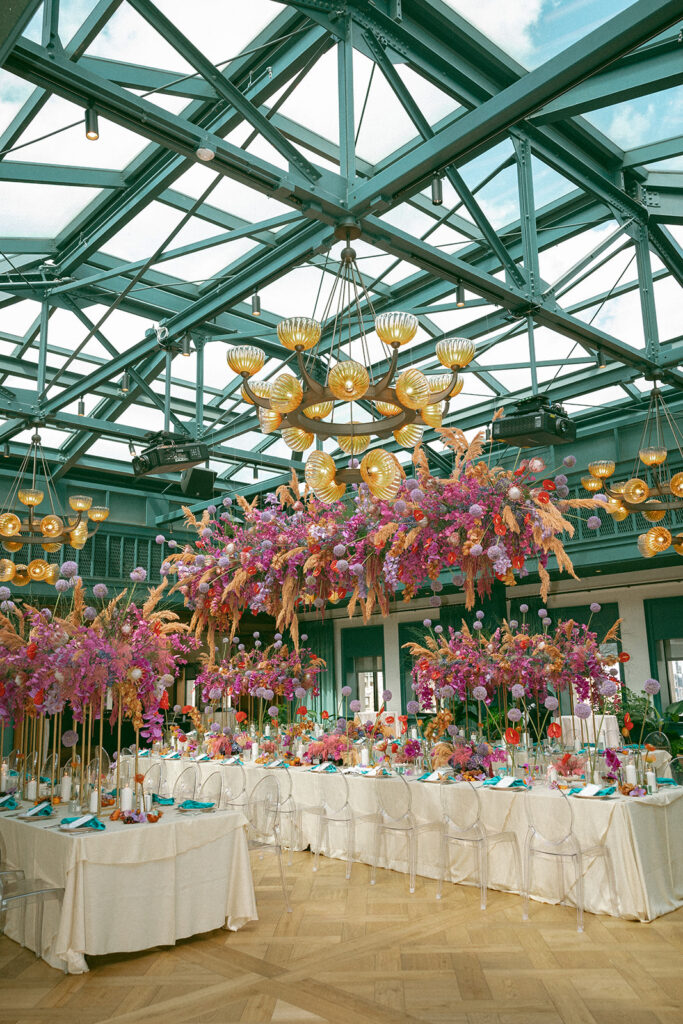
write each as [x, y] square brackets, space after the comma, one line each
[163, 703]
[301, 711]
[521, 471]
[240, 716]
[252, 570]
[418, 516]
[451, 558]
[325, 715]
[38, 697]
[31, 650]
[186, 708]
[628, 724]
[389, 719]
[517, 561]
[554, 731]
[2, 689]
[548, 485]
[500, 530]
[624, 657]
[315, 549]
[512, 737]
[543, 497]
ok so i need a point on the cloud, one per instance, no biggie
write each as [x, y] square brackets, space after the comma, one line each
[630, 127]
[508, 24]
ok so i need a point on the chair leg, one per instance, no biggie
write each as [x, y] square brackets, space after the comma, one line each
[283, 879]
[613, 895]
[560, 878]
[578, 861]
[350, 843]
[526, 881]
[443, 857]
[412, 860]
[23, 922]
[318, 841]
[483, 871]
[375, 856]
[39, 928]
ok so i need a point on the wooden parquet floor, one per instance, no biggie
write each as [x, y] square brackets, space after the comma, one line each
[350, 952]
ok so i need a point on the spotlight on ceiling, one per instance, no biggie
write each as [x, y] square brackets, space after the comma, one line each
[204, 151]
[92, 130]
[186, 345]
[255, 305]
[460, 295]
[601, 360]
[437, 191]
[81, 407]
[125, 382]
[5, 450]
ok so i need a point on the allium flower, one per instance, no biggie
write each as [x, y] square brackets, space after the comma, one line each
[479, 693]
[560, 478]
[514, 714]
[542, 613]
[593, 523]
[61, 586]
[479, 614]
[476, 510]
[160, 538]
[100, 590]
[562, 491]
[300, 693]
[569, 460]
[595, 607]
[476, 550]
[514, 624]
[346, 691]
[89, 614]
[387, 694]
[227, 501]
[268, 694]
[203, 588]
[173, 543]
[70, 738]
[400, 507]
[355, 705]
[547, 621]
[517, 691]
[5, 593]
[524, 608]
[551, 703]
[342, 565]
[426, 623]
[477, 625]
[452, 730]
[609, 688]
[434, 601]
[211, 509]
[273, 712]
[339, 550]
[68, 569]
[206, 534]
[583, 711]
[651, 686]
[138, 575]
[412, 707]
[438, 629]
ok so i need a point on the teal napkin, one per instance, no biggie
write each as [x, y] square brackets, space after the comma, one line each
[328, 768]
[12, 772]
[9, 805]
[93, 823]
[172, 757]
[44, 778]
[44, 812]
[605, 791]
[194, 805]
[666, 782]
[517, 784]
[165, 801]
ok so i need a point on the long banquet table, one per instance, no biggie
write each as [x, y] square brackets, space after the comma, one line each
[644, 836]
[132, 887]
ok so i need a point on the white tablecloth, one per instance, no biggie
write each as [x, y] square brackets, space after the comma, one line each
[577, 732]
[133, 887]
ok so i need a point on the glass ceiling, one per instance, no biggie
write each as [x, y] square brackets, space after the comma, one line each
[111, 238]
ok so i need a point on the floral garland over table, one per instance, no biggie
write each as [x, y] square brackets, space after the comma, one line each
[484, 522]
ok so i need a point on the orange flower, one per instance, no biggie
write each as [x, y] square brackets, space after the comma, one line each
[140, 777]
[240, 716]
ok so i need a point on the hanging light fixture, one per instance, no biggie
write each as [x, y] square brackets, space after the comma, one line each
[653, 489]
[186, 345]
[52, 530]
[437, 191]
[81, 407]
[204, 150]
[255, 305]
[303, 406]
[92, 128]
[6, 451]
[125, 382]
[460, 295]
[600, 358]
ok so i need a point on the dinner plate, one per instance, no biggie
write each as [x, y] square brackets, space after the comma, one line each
[594, 796]
[25, 816]
[81, 828]
[195, 810]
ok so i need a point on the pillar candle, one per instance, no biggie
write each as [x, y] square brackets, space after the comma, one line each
[651, 782]
[4, 777]
[32, 790]
[65, 788]
[364, 755]
[148, 802]
[92, 807]
[630, 773]
[126, 799]
[254, 751]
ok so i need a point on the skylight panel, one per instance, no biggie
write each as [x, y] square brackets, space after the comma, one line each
[39, 211]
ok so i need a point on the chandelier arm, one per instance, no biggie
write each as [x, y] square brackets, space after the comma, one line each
[311, 384]
[262, 402]
[320, 428]
[383, 384]
[442, 396]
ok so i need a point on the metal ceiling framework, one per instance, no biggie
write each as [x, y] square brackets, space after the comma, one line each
[538, 113]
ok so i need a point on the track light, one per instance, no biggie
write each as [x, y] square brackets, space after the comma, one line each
[131, 449]
[92, 129]
[204, 151]
[255, 305]
[255, 473]
[602, 362]
[186, 345]
[460, 295]
[81, 407]
[437, 191]
[125, 382]
[5, 450]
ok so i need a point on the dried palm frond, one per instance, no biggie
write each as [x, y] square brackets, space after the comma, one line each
[154, 598]
[613, 632]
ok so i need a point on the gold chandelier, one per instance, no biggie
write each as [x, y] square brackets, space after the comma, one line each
[303, 407]
[652, 491]
[52, 531]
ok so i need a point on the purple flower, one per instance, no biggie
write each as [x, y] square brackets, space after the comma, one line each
[517, 691]
[601, 497]
[412, 707]
[61, 586]
[273, 712]
[206, 534]
[595, 607]
[339, 550]
[438, 629]
[70, 738]
[5, 593]
[203, 588]
[593, 522]
[477, 625]
[551, 703]
[542, 613]
[569, 460]
[479, 693]
[138, 575]
[68, 569]
[452, 730]
[609, 688]
[524, 608]
[514, 624]
[476, 550]
[346, 691]
[89, 614]
[547, 621]
[160, 538]
[434, 601]
[476, 510]
[268, 694]
[479, 615]
[426, 623]
[100, 590]
[560, 478]
[400, 507]
[562, 491]
[387, 694]
[494, 552]
[304, 637]
[300, 693]
[342, 565]
[514, 714]
[173, 543]
[583, 711]
[651, 686]
[411, 484]
[211, 509]
[417, 494]
[355, 705]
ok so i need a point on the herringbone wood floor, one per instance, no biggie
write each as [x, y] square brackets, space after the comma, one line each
[352, 953]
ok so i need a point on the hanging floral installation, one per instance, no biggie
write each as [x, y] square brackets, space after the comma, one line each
[483, 522]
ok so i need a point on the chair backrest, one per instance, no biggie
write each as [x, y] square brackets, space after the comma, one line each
[460, 804]
[333, 791]
[263, 807]
[186, 784]
[92, 771]
[106, 760]
[13, 759]
[74, 763]
[51, 768]
[212, 788]
[284, 783]
[393, 797]
[676, 769]
[234, 782]
[553, 823]
[152, 780]
[658, 740]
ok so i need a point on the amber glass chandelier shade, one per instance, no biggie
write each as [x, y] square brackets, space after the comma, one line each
[12, 545]
[408, 436]
[620, 514]
[654, 455]
[30, 496]
[452, 352]
[387, 408]
[602, 469]
[654, 515]
[80, 502]
[329, 493]
[51, 525]
[440, 381]
[396, 328]
[269, 420]
[618, 488]
[644, 547]
[299, 332]
[348, 381]
[320, 470]
[296, 439]
[9, 524]
[380, 472]
[353, 444]
[676, 485]
[21, 577]
[245, 359]
[678, 544]
[590, 483]
[261, 389]
[433, 414]
[6, 570]
[52, 574]
[51, 546]
[658, 539]
[286, 393]
[636, 491]
[37, 569]
[412, 389]
[319, 411]
[98, 513]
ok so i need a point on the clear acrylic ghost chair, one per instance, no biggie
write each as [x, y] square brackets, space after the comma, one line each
[290, 814]
[333, 808]
[676, 769]
[5, 872]
[106, 760]
[461, 823]
[551, 834]
[660, 754]
[211, 791]
[263, 815]
[395, 817]
[151, 782]
[14, 759]
[22, 891]
[234, 786]
[50, 769]
[186, 784]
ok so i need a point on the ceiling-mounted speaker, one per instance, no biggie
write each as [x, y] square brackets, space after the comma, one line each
[198, 482]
